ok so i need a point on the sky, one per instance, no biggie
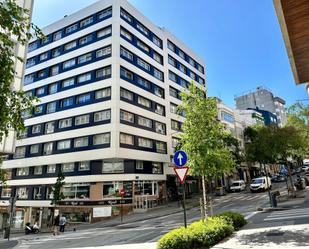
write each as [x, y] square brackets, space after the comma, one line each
[239, 40]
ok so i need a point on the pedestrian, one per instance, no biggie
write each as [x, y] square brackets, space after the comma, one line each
[62, 223]
[56, 224]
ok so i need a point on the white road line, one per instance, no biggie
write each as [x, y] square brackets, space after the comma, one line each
[250, 215]
[286, 217]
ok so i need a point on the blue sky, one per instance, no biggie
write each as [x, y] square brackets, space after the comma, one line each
[240, 40]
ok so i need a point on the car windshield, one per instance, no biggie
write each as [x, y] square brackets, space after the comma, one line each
[236, 184]
[255, 181]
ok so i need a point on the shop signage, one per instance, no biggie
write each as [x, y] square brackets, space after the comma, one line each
[102, 212]
[95, 203]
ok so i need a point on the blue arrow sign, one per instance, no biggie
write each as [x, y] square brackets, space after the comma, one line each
[180, 158]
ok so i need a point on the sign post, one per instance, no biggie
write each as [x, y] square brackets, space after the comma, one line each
[122, 193]
[180, 160]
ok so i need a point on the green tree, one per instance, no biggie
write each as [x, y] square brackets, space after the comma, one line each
[15, 27]
[57, 189]
[203, 137]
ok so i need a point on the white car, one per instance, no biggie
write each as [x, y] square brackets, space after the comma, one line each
[238, 186]
[260, 184]
[305, 168]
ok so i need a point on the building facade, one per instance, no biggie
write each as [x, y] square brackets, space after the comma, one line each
[108, 81]
[264, 100]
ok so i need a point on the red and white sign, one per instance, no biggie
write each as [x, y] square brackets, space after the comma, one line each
[122, 191]
[181, 173]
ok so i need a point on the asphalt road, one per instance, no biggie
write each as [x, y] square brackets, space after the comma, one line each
[149, 230]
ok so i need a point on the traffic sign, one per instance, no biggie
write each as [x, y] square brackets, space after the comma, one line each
[180, 158]
[122, 191]
[181, 173]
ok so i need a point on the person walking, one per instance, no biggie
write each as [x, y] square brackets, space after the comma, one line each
[62, 223]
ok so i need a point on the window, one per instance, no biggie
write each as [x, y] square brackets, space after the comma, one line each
[84, 98]
[64, 123]
[171, 46]
[40, 91]
[104, 72]
[69, 63]
[57, 35]
[67, 82]
[64, 144]
[49, 193]
[26, 113]
[171, 61]
[41, 74]
[172, 76]
[127, 74]
[126, 53]
[144, 122]
[126, 94]
[143, 64]
[173, 108]
[158, 74]
[32, 46]
[104, 93]
[55, 52]
[143, 46]
[43, 56]
[157, 57]
[84, 58]
[34, 149]
[28, 79]
[86, 21]
[102, 115]
[6, 192]
[158, 91]
[104, 32]
[71, 28]
[85, 39]
[36, 129]
[191, 61]
[227, 117]
[104, 51]
[67, 102]
[24, 133]
[160, 147]
[20, 152]
[80, 120]
[80, 142]
[101, 139]
[30, 62]
[126, 16]
[181, 54]
[145, 142]
[157, 168]
[200, 68]
[38, 170]
[37, 193]
[192, 75]
[52, 88]
[175, 142]
[144, 83]
[142, 28]
[183, 82]
[77, 191]
[160, 109]
[22, 193]
[126, 116]
[182, 68]
[175, 125]
[51, 168]
[48, 148]
[22, 171]
[49, 127]
[54, 70]
[160, 128]
[201, 80]
[84, 77]
[144, 102]
[126, 34]
[104, 13]
[111, 189]
[67, 167]
[139, 165]
[156, 40]
[70, 45]
[83, 166]
[38, 109]
[126, 139]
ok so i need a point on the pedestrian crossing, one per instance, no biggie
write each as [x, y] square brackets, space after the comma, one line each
[231, 198]
[299, 213]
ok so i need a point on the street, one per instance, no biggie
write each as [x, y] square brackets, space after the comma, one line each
[144, 231]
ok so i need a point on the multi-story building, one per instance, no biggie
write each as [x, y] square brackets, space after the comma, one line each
[264, 100]
[250, 117]
[108, 81]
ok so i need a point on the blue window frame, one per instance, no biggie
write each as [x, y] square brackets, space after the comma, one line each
[67, 102]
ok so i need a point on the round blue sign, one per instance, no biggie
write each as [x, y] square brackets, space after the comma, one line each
[180, 158]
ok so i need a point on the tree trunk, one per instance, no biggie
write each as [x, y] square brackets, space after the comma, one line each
[291, 179]
[204, 197]
[267, 185]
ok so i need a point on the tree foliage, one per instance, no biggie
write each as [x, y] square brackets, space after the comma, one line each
[57, 189]
[203, 137]
[15, 27]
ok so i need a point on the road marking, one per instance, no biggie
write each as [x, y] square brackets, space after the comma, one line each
[287, 217]
[250, 215]
[288, 214]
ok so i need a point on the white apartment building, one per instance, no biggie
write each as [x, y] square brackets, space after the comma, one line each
[108, 80]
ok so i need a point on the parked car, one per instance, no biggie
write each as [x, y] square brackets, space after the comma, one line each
[238, 186]
[307, 179]
[296, 171]
[260, 184]
[278, 178]
[305, 168]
